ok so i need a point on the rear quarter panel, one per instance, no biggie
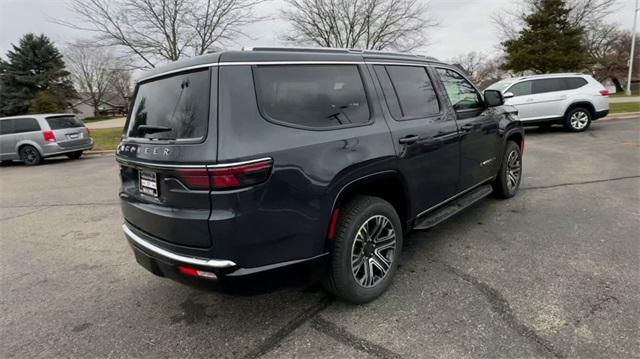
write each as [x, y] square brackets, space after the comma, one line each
[288, 217]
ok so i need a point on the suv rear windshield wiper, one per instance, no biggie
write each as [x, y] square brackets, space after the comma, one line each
[151, 129]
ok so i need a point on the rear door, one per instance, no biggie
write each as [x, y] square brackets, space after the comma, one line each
[68, 130]
[169, 140]
[549, 96]
[424, 133]
[479, 138]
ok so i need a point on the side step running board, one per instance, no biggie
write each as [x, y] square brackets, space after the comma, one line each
[439, 215]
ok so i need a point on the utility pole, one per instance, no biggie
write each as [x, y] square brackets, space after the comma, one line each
[633, 47]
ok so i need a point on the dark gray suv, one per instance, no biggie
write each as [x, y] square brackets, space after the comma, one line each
[239, 163]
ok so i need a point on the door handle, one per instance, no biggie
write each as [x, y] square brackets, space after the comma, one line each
[409, 139]
[466, 128]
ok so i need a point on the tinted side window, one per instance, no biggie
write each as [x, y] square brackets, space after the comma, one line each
[462, 94]
[26, 125]
[312, 96]
[549, 85]
[575, 82]
[521, 89]
[6, 127]
[414, 90]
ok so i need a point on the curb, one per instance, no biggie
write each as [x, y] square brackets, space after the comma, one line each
[622, 115]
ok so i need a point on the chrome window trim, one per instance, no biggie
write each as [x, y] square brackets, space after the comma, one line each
[252, 63]
[211, 263]
[172, 166]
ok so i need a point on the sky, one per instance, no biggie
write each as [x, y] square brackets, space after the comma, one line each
[465, 25]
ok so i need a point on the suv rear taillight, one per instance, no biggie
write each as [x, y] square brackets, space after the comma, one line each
[604, 92]
[49, 136]
[223, 177]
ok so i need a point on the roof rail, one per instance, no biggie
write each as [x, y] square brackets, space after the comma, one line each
[551, 75]
[342, 50]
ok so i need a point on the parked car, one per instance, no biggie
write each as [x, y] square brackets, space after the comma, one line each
[573, 100]
[237, 163]
[30, 138]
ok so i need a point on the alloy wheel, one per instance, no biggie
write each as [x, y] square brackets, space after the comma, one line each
[372, 252]
[514, 167]
[30, 155]
[579, 120]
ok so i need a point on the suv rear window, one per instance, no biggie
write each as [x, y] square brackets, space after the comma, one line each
[312, 96]
[62, 122]
[172, 108]
[575, 82]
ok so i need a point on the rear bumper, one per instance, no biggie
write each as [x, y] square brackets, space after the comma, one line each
[601, 114]
[166, 263]
[54, 149]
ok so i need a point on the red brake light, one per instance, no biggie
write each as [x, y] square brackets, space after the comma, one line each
[240, 176]
[49, 136]
[333, 223]
[226, 177]
[604, 92]
[192, 272]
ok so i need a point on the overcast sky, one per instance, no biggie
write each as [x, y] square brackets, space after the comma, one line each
[465, 25]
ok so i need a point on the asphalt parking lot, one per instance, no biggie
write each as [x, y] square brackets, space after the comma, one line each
[553, 272]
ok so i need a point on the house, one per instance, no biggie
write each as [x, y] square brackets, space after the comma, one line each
[112, 105]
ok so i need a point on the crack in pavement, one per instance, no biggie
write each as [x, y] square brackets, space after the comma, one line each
[273, 340]
[341, 335]
[580, 183]
[501, 307]
[114, 203]
[23, 214]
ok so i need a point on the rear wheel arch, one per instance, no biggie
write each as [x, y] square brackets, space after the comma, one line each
[388, 185]
[29, 143]
[581, 104]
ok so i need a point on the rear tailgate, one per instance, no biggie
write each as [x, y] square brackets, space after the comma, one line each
[69, 131]
[170, 135]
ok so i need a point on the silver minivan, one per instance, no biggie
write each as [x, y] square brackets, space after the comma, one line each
[30, 138]
[571, 99]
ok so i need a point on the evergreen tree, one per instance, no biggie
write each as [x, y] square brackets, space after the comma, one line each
[548, 42]
[33, 67]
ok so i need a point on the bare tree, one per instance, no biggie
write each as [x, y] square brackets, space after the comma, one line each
[92, 71]
[482, 69]
[367, 24]
[160, 30]
[121, 83]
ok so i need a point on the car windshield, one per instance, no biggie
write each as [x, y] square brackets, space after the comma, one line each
[500, 86]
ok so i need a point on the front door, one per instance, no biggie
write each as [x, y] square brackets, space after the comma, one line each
[479, 137]
[424, 133]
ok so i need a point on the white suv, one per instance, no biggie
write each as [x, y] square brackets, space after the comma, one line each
[573, 100]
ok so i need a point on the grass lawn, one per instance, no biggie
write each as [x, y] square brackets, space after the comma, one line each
[99, 118]
[106, 138]
[624, 107]
[635, 92]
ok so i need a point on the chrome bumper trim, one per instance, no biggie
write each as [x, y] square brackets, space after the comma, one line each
[211, 263]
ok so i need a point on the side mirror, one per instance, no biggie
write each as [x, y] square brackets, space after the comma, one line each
[508, 95]
[493, 98]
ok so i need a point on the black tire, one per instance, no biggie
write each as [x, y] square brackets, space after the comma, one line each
[74, 155]
[364, 212]
[505, 185]
[30, 156]
[577, 119]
